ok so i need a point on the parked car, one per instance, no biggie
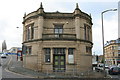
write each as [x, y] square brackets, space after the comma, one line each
[118, 65]
[3, 56]
[114, 70]
[100, 67]
[112, 66]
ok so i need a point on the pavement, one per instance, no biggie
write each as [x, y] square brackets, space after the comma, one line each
[16, 66]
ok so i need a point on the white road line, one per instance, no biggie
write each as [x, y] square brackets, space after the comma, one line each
[15, 72]
[110, 76]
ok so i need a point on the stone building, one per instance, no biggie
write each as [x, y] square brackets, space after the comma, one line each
[57, 41]
[112, 52]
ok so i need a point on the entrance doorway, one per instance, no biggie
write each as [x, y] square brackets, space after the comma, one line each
[59, 62]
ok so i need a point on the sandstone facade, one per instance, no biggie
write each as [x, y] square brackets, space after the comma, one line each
[57, 41]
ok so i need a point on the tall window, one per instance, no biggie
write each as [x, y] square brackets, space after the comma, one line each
[87, 32]
[118, 55]
[47, 54]
[113, 54]
[88, 49]
[71, 55]
[58, 30]
[32, 31]
[28, 32]
[29, 49]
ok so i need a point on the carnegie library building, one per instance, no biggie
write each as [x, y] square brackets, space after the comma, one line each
[56, 41]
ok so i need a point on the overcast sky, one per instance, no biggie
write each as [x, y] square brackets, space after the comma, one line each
[12, 12]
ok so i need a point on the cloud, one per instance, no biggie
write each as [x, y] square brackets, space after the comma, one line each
[110, 32]
[12, 12]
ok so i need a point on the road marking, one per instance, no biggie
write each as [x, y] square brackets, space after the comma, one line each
[109, 76]
[15, 72]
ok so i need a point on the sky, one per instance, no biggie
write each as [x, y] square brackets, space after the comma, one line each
[12, 12]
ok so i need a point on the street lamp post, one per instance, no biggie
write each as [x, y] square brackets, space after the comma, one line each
[103, 37]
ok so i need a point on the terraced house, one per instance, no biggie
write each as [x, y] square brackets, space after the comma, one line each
[112, 52]
[59, 42]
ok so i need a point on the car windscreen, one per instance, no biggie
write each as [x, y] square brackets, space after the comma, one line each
[115, 69]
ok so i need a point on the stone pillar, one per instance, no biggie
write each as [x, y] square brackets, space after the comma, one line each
[66, 52]
[40, 26]
[40, 57]
[24, 33]
[77, 14]
[77, 27]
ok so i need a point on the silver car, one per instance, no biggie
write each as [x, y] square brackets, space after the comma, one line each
[3, 56]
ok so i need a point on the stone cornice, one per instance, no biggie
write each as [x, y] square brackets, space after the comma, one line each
[111, 44]
[57, 15]
[35, 40]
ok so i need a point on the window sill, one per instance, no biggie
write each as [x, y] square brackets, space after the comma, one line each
[47, 63]
[71, 64]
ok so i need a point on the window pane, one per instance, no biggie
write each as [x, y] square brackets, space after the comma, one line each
[62, 57]
[63, 51]
[47, 59]
[70, 51]
[70, 58]
[29, 51]
[71, 55]
[60, 30]
[56, 30]
[62, 63]
[56, 57]
[32, 33]
[28, 34]
[59, 51]
[85, 32]
[56, 63]
[47, 54]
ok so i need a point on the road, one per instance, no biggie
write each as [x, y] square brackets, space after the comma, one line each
[5, 72]
[111, 76]
[115, 76]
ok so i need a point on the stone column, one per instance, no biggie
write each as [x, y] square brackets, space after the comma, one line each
[40, 57]
[66, 52]
[30, 31]
[77, 27]
[40, 26]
